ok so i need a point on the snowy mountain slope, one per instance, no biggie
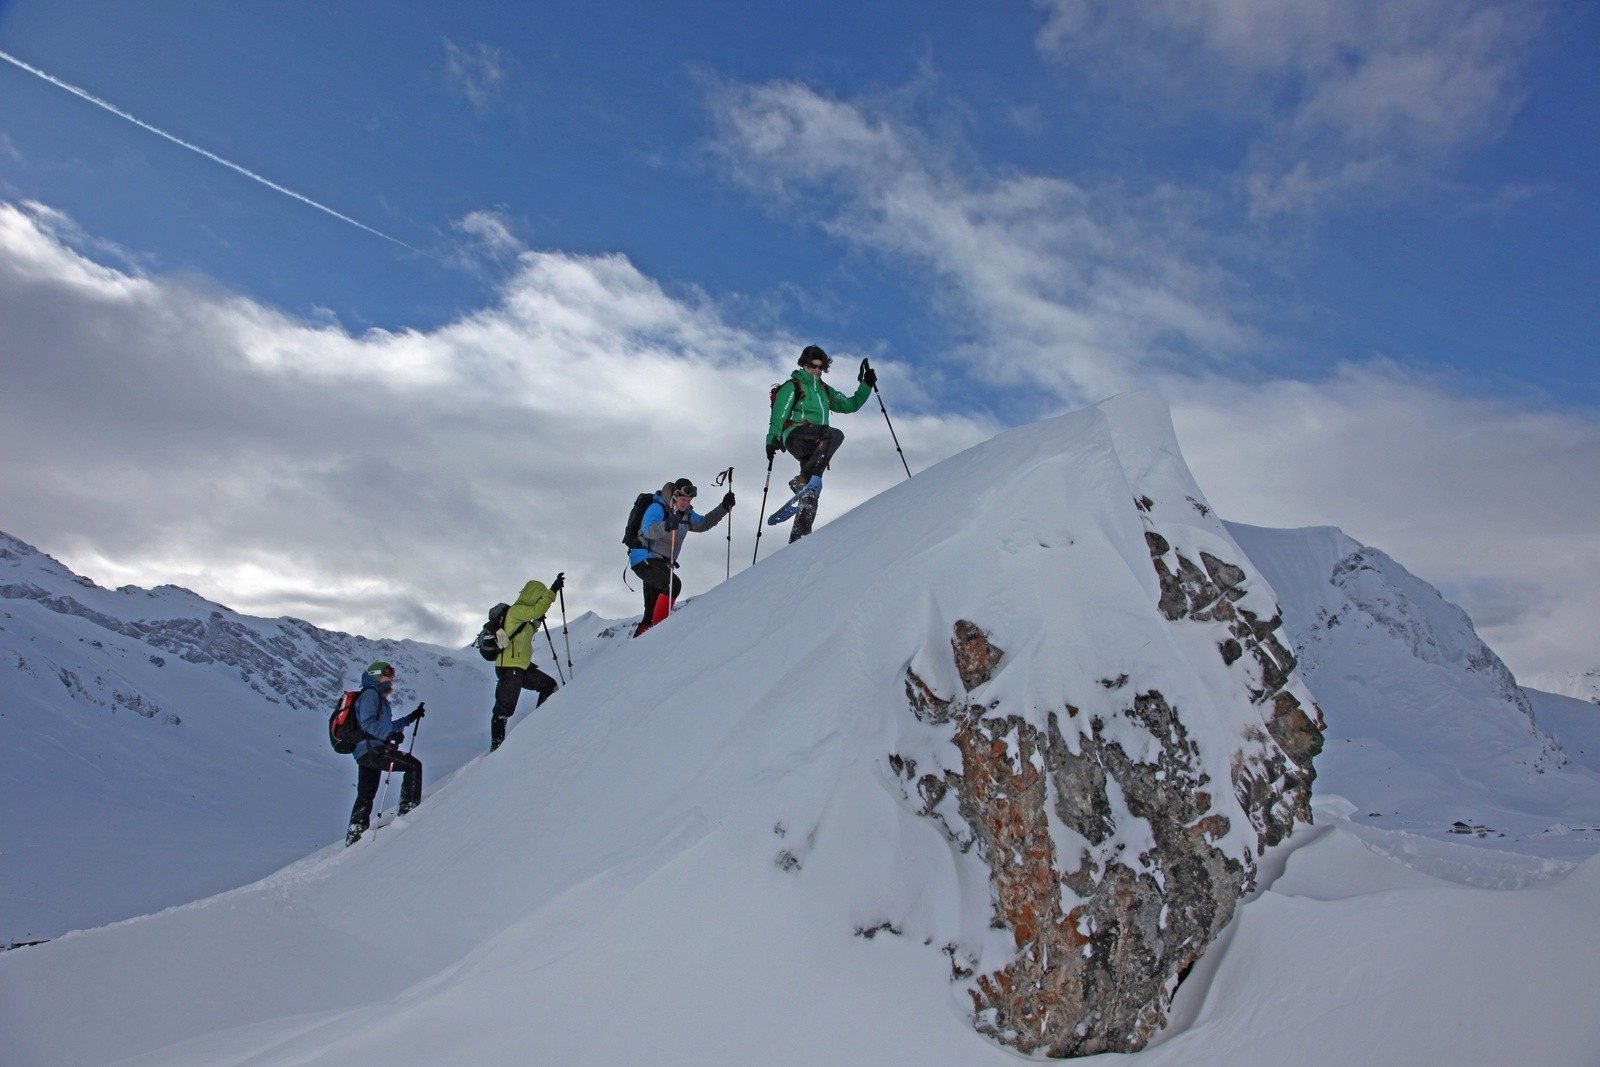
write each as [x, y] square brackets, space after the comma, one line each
[160, 747]
[703, 854]
[1573, 722]
[706, 831]
[1427, 729]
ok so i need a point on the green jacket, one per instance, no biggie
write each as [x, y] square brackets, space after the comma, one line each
[816, 398]
[530, 607]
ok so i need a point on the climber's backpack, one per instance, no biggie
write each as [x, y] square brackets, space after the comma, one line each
[630, 532]
[344, 729]
[488, 640]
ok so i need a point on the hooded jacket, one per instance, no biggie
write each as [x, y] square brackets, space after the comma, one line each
[814, 400]
[522, 624]
[657, 540]
[373, 714]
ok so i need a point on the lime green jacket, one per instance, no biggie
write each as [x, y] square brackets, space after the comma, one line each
[814, 400]
[522, 624]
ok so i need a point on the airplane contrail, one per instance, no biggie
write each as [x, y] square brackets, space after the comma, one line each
[252, 175]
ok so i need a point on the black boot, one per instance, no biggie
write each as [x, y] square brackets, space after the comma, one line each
[353, 834]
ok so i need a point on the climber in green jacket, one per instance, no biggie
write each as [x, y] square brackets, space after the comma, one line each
[799, 425]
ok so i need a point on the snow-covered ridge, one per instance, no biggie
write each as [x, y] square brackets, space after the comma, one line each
[284, 660]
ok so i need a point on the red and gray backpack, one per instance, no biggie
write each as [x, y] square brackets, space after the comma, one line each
[344, 729]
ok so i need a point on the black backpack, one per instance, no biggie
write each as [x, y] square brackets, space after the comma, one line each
[630, 532]
[344, 729]
[488, 640]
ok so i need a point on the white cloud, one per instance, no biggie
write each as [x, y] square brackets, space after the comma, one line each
[395, 483]
[1081, 292]
[478, 70]
[1071, 286]
[1336, 91]
[1495, 501]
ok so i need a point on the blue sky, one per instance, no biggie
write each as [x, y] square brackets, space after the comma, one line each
[1353, 244]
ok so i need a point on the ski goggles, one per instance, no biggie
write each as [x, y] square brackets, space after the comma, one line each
[686, 491]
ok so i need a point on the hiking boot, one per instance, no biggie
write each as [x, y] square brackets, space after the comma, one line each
[353, 834]
[405, 807]
[797, 483]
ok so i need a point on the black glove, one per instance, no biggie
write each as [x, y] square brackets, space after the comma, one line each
[396, 737]
[727, 500]
[772, 451]
[561, 580]
[672, 520]
[869, 376]
[416, 713]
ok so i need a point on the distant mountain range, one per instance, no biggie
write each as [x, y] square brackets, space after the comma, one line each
[161, 747]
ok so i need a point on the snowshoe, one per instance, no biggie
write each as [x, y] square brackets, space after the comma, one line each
[803, 491]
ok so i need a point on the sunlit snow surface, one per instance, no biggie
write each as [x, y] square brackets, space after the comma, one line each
[674, 861]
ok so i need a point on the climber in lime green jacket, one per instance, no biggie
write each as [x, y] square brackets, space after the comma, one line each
[799, 424]
[513, 669]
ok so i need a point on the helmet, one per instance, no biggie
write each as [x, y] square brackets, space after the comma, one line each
[378, 668]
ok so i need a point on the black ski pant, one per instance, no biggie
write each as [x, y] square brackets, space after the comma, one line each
[508, 687]
[655, 575]
[370, 770]
[814, 447]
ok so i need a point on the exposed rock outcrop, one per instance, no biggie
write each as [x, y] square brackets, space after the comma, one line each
[1101, 833]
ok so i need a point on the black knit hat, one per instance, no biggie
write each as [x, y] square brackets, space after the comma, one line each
[814, 352]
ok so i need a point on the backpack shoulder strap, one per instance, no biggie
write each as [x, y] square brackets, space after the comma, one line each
[794, 398]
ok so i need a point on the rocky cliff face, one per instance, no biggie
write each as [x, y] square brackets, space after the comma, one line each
[1112, 845]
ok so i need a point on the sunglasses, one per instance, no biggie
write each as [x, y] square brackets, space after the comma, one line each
[816, 366]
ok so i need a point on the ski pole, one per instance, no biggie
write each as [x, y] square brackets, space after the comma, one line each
[416, 725]
[726, 478]
[861, 375]
[672, 562]
[553, 657]
[566, 638]
[759, 515]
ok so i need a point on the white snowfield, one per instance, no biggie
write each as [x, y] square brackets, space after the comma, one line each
[679, 859]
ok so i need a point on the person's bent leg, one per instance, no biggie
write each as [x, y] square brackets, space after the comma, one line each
[828, 441]
[534, 678]
[410, 781]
